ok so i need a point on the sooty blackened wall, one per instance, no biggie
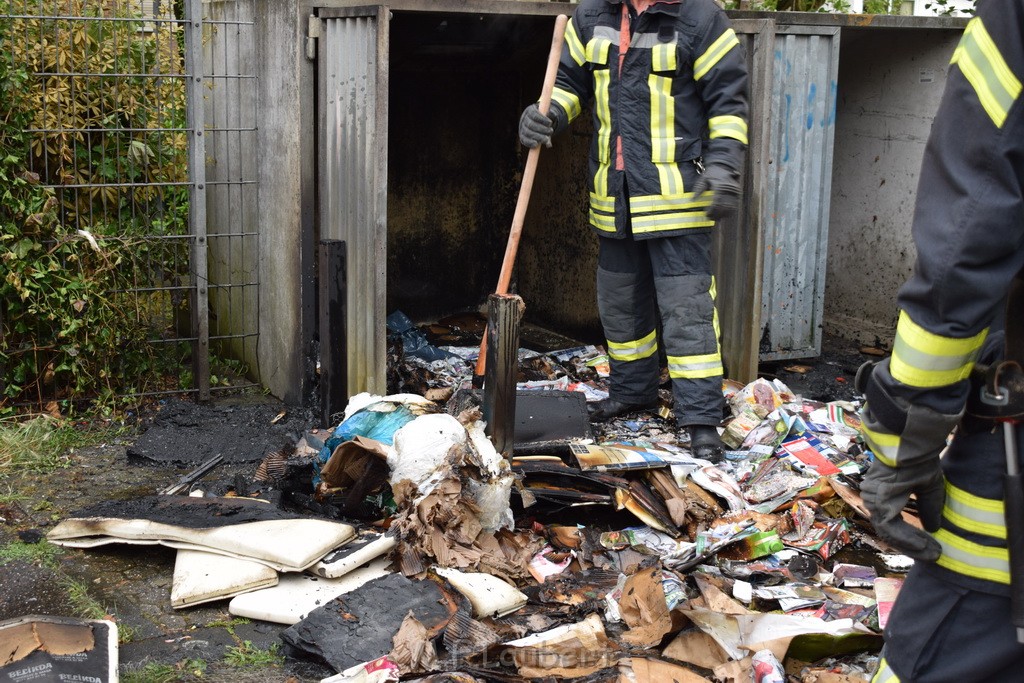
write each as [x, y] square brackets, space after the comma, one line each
[457, 86]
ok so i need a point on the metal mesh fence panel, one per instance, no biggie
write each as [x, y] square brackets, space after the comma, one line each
[113, 113]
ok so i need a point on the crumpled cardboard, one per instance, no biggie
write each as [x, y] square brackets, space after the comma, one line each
[569, 651]
[642, 606]
[647, 670]
[413, 649]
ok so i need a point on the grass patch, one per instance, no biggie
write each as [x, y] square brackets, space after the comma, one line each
[11, 496]
[30, 445]
[84, 605]
[185, 670]
[41, 554]
[42, 443]
[248, 656]
[194, 667]
[229, 624]
[151, 673]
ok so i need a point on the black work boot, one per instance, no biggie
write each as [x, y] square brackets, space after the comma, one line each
[705, 444]
[608, 408]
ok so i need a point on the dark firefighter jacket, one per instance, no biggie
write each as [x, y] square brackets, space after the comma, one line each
[667, 87]
[969, 231]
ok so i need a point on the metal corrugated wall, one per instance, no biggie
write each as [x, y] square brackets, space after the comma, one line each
[353, 179]
[800, 126]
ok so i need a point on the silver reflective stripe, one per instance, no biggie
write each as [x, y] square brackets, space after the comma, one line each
[986, 70]
[921, 358]
[671, 221]
[973, 559]
[695, 367]
[647, 40]
[575, 45]
[885, 445]
[634, 350]
[650, 203]
[885, 674]
[568, 101]
[607, 32]
[973, 513]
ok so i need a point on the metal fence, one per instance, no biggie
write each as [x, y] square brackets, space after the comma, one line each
[142, 125]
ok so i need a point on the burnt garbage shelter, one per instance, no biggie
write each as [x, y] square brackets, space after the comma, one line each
[392, 128]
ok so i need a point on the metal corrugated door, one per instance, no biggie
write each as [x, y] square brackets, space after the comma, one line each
[801, 126]
[353, 113]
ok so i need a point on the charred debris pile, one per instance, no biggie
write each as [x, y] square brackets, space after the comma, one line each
[399, 544]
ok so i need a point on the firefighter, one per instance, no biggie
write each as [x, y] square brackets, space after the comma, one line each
[952, 620]
[667, 83]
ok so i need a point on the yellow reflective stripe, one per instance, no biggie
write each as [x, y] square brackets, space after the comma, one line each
[978, 515]
[663, 119]
[663, 57]
[663, 141]
[884, 445]
[988, 73]
[634, 350]
[728, 127]
[671, 221]
[568, 101]
[885, 674]
[670, 177]
[973, 559]
[602, 203]
[923, 359]
[597, 50]
[662, 202]
[602, 222]
[714, 54]
[602, 78]
[695, 367]
[575, 45]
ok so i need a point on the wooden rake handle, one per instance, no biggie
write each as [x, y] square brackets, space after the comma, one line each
[519, 217]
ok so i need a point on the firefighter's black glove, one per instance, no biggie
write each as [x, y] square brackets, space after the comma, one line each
[536, 128]
[886, 491]
[724, 185]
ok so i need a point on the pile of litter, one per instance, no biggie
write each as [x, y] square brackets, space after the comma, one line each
[399, 544]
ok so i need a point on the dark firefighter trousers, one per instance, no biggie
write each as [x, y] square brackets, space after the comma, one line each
[666, 278]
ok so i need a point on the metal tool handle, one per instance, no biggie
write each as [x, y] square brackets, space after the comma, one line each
[532, 158]
[1013, 495]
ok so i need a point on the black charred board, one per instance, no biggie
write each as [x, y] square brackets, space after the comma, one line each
[360, 626]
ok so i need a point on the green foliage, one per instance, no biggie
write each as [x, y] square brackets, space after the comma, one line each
[42, 444]
[248, 656]
[946, 8]
[87, 174]
[229, 624]
[151, 673]
[42, 554]
[882, 6]
[82, 603]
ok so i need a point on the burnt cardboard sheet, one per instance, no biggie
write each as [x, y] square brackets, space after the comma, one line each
[45, 648]
[185, 511]
[360, 626]
[243, 528]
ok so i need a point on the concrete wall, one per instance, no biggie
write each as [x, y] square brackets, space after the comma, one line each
[284, 199]
[890, 83]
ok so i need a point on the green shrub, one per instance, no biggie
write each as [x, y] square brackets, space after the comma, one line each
[77, 261]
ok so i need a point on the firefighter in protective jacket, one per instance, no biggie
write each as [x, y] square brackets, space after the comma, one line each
[952, 620]
[667, 83]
